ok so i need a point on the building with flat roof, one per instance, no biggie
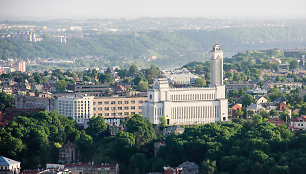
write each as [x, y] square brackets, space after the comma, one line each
[187, 106]
[115, 108]
[79, 107]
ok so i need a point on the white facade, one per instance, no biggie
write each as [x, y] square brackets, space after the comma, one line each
[186, 106]
[216, 66]
[79, 107]
[182, 79]
[9, 166]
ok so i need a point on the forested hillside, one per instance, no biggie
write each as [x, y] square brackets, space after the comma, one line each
[182, 46]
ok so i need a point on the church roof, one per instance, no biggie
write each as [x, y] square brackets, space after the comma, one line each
[6, 161]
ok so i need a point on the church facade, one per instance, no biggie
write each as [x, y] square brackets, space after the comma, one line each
[188, 106]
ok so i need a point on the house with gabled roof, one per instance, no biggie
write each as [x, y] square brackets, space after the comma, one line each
[9, 166]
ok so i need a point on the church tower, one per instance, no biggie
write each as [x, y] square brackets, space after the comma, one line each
[216, 66]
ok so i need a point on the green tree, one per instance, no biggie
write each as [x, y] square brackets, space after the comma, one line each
[142, 86]
[106, 78]
[138, 162]
[124, 146]
[6, 101]
[96, 126]
[61, 85]
[84, 141]
[141, 128]
[199, 82]
[208, 167]
[293, 65]
[247, 100]
[133, 69]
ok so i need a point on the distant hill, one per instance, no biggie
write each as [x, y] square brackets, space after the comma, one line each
[171, 48]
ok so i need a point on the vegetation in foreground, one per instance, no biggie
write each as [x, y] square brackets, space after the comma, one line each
[253, 146]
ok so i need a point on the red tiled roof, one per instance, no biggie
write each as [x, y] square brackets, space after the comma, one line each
[303, 118]
[30, 172]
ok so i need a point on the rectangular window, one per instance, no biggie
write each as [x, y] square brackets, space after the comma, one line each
[139, 107]
[106, 108]
[119, 108]
[140, 101]
[99, 109]
[132, 107]
[106, 114]
[113, 102]
[126, 102]
[126, 108]
[106, 102]
[120, 113]
[100, 114]
[94, 103]
[132, 113]
[126, 113]
[99, 103]
[113, 114]
[119, 102]
[133, 101]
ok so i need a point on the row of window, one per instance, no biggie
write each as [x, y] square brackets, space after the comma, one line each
[181, 97]
[118, 108]
[116, 114]
[118, 102]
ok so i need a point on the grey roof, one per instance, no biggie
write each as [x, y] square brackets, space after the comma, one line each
[255, 106]
[189, 165]
[7, 161]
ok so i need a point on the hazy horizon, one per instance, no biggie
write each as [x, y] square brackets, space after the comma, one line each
[95, 9]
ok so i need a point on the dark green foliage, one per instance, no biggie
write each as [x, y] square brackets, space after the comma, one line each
[141, 128]
[199, 82]
[34, 139]
[61, 85]
[96, 126]
[106, 78]
[6, 101]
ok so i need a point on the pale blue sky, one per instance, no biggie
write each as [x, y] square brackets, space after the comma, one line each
[50, 9]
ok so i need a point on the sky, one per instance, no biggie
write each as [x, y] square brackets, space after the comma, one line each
[75, 9]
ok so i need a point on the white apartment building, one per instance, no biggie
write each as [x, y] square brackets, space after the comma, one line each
[79, 107]
[187, 106]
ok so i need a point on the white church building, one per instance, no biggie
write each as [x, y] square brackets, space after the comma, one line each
[187, 106]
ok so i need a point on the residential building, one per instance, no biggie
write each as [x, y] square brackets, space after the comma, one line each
[233, 111]
[293, 85]
[79, 107]
[240, 86]
[90, 89]
[298, 123]
[189, 168]
[21, 66]
[117, 107]
[277, 121]
[157, 145]
[91, 168]
[283, 106]
[173, 129]
[42, 101]
[68, 153]
[187, 106]
[9, 166]
[185, 168]
[261, 100]
[253, 109]
[11, 113]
